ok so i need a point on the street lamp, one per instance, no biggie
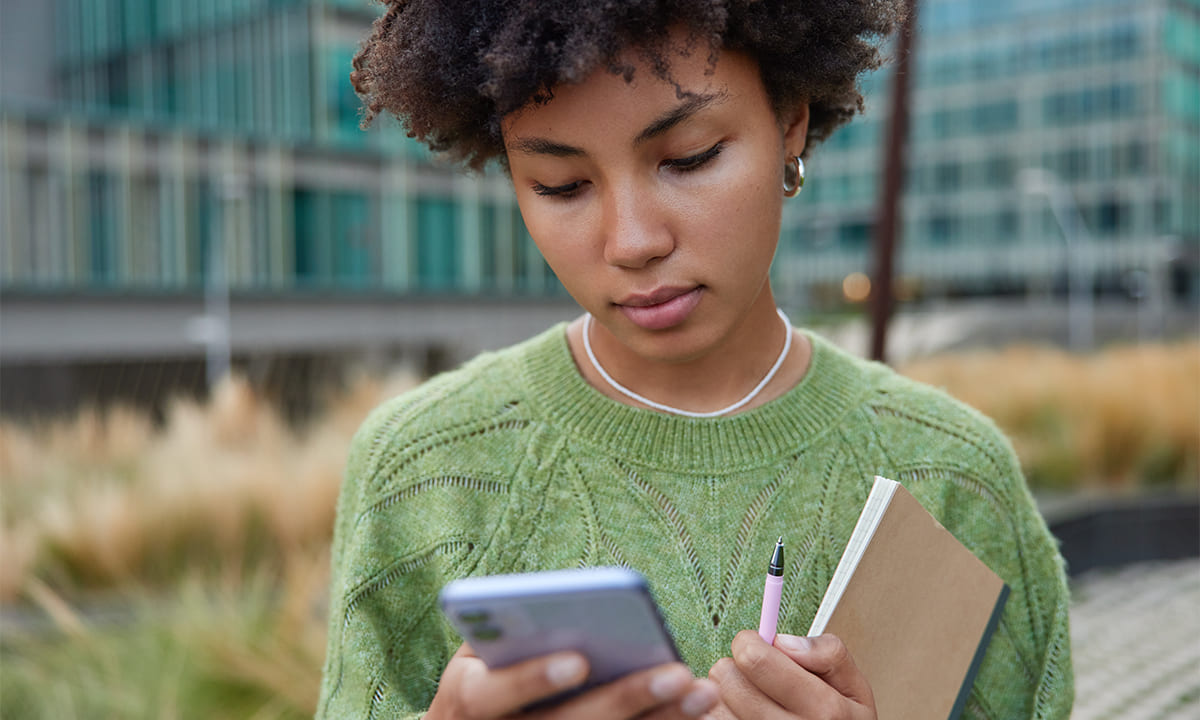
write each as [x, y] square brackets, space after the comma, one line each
[1039, 181]
[212, 329]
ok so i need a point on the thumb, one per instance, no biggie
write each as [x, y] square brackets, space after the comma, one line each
[827, 656]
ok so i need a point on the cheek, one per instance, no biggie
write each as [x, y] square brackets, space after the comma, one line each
[566, 262]
[556, 236]
[741, 211]
[565, 247]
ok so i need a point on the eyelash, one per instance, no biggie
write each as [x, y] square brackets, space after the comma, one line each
[687, 164]
[695, 162]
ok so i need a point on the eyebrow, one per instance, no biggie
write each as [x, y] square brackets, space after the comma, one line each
[694, 103]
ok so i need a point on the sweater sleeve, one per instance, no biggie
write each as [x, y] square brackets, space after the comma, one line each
[1046, 601]
[408, 521]
[1026, 672]
[360, 660]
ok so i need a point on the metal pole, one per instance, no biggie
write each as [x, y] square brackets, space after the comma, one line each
[216, 313]
[887, 216]
[218, 344]
[1078, 249]
[1152, 304]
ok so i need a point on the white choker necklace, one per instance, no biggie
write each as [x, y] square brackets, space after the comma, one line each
[787, 346]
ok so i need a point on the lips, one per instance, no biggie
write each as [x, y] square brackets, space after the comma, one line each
[662, 308]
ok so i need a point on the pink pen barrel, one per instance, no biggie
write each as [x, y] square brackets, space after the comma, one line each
[769, 620]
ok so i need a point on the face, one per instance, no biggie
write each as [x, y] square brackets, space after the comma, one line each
[660, 215]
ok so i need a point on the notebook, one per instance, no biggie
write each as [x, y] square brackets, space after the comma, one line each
[915, 608]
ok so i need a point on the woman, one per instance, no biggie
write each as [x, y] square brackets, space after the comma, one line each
[682, 419]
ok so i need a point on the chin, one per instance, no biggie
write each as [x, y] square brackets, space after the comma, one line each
[671, 345]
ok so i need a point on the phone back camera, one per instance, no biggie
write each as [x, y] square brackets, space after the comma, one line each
[474, 617]
[486, 633]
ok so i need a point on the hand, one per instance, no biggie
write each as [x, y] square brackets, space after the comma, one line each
[797, 677]
[469, 690]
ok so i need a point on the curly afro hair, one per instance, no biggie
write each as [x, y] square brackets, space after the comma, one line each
[450, 70]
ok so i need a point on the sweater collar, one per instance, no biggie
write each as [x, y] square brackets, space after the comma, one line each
[784, 426]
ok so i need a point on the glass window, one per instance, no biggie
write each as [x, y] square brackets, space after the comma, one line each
[308, 251]
[1162, 214]
[354, 252]
[1074, 164]
[947, 175]
[914, 181]
[117, 83]
[343, 104]
[1133, 158]
[1112, 216]
[103, 248]
[942, 123]
[437, 244]
[1121, 42]
[854, 235]
[999, 171]
[1007, 222]
[942, 228]
[1182, 95]
[995, 116]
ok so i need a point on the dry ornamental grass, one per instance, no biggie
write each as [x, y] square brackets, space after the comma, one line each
[211, 532]
[1123, 418]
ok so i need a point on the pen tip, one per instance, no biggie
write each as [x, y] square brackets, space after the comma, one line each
[779, 541]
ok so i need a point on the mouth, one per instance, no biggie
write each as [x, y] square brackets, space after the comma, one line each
[661, 308]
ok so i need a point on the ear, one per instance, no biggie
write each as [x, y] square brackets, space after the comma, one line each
[795, 129]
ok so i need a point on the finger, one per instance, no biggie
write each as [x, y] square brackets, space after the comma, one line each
[700, 698]
[779, 677]
[658, 688]
[827, 656]
[488, 693]
[720, 711]
[739, 697]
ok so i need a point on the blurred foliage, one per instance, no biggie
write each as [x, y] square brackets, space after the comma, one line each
[250, 651]
[171, 572]
[181, 570]
[1120, 419]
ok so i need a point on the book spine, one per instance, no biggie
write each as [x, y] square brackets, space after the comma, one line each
[980, 650]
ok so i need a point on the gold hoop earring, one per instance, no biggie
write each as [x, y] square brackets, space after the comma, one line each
[793, 176]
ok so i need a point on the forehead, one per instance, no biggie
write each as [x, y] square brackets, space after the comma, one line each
[609, 98]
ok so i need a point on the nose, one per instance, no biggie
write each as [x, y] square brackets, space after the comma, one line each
[636, 229]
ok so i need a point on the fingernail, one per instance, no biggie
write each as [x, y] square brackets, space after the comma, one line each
[696, 703]
[794, 643]
[564, 671]
[668, 683]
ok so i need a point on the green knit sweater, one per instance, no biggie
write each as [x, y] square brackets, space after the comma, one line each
[514, 463]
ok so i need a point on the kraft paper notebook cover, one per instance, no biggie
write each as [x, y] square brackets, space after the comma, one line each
[914, 607]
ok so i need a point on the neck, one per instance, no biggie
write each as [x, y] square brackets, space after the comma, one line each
[719, 376]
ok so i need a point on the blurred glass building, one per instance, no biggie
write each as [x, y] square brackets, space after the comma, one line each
[139, 134]
[158, 129]
[158, 154]
[1100, 98]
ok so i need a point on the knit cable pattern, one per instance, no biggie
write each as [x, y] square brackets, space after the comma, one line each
[513, 463]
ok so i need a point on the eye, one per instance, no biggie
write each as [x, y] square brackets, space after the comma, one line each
[560, 191]
[695, 162]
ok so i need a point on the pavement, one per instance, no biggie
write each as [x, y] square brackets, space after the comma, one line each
[1135, 635]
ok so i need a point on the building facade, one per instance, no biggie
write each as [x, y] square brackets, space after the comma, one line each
[185, 134]
[185, 180]
[1013, 103]
[180, 134]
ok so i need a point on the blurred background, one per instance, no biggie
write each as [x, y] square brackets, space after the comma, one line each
[209, 274]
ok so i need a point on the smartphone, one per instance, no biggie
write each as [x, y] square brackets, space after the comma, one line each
[607, 614]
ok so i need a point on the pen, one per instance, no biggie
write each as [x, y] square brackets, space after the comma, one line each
[772, 592]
